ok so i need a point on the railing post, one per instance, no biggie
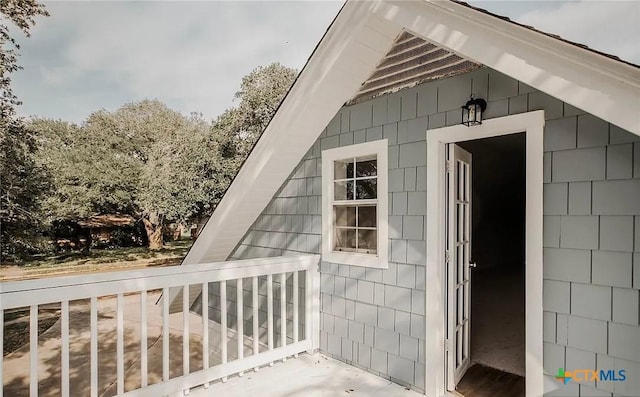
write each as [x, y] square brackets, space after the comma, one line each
[186, 334]
[64, 333]
[165, 334]
[94, 346]
[312, 306]
[223, 322]
[1, 348]
[120, 343]
[144, 371]
[296, 307]
[33, 350]
[205, 329]
[255, 307]
[283, 312]
[240, 320]
[270, 313]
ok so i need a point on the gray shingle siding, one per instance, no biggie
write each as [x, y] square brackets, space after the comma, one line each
[374, 318]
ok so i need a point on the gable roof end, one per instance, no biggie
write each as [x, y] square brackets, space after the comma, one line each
[353, 46]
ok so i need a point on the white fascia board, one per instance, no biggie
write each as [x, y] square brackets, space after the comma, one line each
[592, 82]
[343, 60]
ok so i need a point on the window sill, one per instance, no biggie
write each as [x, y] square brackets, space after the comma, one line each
[355, 259]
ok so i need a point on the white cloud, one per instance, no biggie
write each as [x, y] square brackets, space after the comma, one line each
[190, 55]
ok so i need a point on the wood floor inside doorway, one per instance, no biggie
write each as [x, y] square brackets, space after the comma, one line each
[481, 381]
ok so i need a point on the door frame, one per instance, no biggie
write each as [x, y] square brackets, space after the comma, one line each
[532, 124]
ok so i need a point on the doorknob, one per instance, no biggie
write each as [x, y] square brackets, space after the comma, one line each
[473, 265]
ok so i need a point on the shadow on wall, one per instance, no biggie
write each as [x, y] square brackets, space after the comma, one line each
[247, 299]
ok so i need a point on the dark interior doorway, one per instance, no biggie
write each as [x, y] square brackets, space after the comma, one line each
[498, 249]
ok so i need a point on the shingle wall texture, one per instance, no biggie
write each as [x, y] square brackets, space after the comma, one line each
[374, 318]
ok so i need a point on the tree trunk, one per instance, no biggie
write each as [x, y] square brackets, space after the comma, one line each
[87, 241]
[153, 227]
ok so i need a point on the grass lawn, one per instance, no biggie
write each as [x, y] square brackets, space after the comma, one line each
[97, 260]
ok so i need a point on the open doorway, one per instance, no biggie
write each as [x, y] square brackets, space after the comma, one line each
[439, 346]
[496, 267]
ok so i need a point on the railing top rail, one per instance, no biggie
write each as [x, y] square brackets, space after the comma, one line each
[84, 286]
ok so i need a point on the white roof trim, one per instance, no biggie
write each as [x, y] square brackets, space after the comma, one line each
[352, 47]
[597, 84]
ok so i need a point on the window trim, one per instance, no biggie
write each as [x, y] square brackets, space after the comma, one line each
[381, 258]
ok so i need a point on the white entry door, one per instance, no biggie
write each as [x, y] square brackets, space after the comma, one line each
[458, 263]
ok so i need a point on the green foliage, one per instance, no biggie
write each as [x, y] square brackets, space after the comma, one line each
[89, 176]
[259, 96]
[24, 184]
[151, 162]
[21, 13]
[22, 181]
[143, 159]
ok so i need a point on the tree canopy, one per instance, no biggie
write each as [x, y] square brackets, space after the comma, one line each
[22, 14]
[23, 182]
[142, 159]
[147, 160]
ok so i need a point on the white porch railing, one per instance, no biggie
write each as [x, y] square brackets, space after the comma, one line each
[254, 348]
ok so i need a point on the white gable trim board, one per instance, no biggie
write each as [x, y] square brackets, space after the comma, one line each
[532, 124]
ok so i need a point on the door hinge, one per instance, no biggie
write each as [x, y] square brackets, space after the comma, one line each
[448, 165]
[447, 257]
[447, 344]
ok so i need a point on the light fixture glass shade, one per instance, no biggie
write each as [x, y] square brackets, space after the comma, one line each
[472, 111]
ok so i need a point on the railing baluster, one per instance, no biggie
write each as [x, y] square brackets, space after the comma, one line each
[185, 329]
[64, 331]
[165, 334]
[120, 343]
[223, 322]
[93, 339]
[33, 350]
[1, 349]
[240, 320]
[283, 312]
[295, 307]
[144, 377]
[256, 331]
[205, 329]
[307, 306]
[270, 312]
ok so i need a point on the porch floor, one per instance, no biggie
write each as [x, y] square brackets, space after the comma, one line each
[306, 376]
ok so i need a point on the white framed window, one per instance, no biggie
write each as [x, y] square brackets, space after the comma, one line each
[354, 204]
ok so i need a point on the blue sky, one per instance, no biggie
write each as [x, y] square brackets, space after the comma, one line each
[192, 55]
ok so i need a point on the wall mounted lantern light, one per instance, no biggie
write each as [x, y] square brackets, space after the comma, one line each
[472, 111]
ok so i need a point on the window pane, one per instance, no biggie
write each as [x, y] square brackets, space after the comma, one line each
[366, 189]
[343, 169]
[345, 216]
[367, 216]
[366, 167]
[343, 190]
[367, 240]
[345, 239]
